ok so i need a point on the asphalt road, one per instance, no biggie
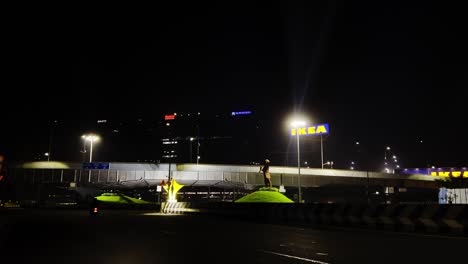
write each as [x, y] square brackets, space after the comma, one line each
[72, 236]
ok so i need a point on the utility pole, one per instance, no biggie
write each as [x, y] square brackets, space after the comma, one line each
[198, 143]
[321, 149]
[51, 133]
[299, 169]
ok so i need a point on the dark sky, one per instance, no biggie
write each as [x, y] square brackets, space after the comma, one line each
[383, 74]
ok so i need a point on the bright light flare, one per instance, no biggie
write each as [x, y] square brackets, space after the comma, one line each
[91, 137]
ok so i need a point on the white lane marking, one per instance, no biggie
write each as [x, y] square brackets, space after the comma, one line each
[321, 254]
[294, 257]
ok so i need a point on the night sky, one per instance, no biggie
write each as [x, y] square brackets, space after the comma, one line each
[381, 74]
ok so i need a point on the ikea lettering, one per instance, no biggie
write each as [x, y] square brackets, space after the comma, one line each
[316, 130]
[454, 174]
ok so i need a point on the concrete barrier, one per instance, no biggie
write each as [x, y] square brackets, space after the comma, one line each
[369, 216]
[326, 214]
[452, 219]
[354, 215]
[427, 219]
[387, 219]
[406, 218]
[294, 214]
[339, 214]
[447, 219]
[311, 214]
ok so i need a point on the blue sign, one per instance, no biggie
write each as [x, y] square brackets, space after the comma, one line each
[241, 113]
[96, 166]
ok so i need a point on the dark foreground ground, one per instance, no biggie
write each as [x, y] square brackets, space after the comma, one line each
[72, 236]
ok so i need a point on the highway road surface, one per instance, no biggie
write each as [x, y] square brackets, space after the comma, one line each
[117, 236]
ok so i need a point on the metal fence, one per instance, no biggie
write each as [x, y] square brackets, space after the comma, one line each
[210, 177]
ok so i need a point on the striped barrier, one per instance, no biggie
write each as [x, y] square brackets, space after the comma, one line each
[311, 214]
[405, 220]
[369, 217]
[339, 215]
[326, 213]
[177, 208]
[427, 219]
[294, 214]
[451, 219]
[354, 215]
[387, 218]
[443, 219]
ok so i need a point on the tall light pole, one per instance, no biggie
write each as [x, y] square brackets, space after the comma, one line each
[198, 144]
[191, 139]
[83, 137]
[321, 149]
[51, 135]
[297, 124]
[91, 138]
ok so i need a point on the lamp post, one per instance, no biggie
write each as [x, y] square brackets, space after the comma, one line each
[51, 135]
[297, 124]
[321, 149]
[328, 163]
[191, 139]
[198, 150]
[84, 148]
[198, 144]
[91, 138]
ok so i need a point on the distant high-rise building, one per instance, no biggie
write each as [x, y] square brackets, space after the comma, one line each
[209, 137]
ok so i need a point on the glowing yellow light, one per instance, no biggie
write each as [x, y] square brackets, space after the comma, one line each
[172, 188]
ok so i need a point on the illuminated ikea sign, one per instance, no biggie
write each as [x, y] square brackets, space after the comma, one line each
[322, 129]
[241, 113]
[441, 172]
[452, 172]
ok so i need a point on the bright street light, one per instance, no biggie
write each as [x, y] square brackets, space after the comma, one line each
[91, 138]
[328, 163]
[296, 124]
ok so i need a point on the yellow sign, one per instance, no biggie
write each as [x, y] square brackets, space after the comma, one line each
[311, 130]
[454, 174]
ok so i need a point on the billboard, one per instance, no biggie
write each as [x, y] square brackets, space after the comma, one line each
[241, 113]
[96, 165]
[315, 130]
[442, 172]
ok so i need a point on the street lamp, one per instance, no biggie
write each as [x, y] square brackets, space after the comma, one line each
[297, 124]
[83, 137]
[91, 138]
[191, 139]
[328, 163]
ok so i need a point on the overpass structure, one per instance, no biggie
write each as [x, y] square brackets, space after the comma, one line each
[138, 175]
